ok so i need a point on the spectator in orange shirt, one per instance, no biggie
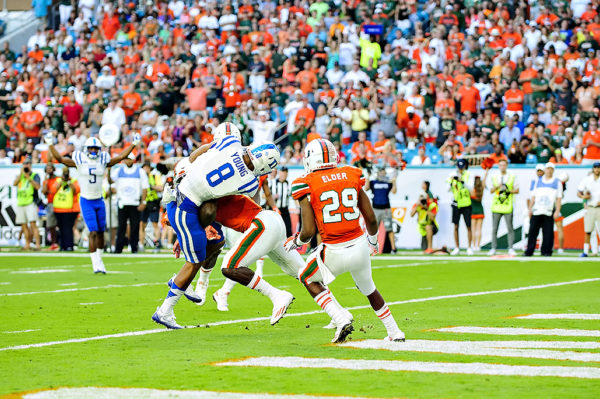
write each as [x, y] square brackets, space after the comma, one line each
[32, 121]
[410, 125]
[591, 143]
[306, 113]
[132, 101]
[498, 154]
[36, 54]
[514, 98]
[558, 158]
[468, 96]
[110, 25]
[307, 79]
[381, 142]
[546, 17]
[445, 102]
[362, 142]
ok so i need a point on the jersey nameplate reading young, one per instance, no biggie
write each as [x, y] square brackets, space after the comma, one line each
[219, 172]
[333, 195]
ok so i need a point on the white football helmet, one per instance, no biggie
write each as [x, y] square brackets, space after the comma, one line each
[92, 147]
[563, 177]
[264, 157]
[226, 129]
[319, 154]
[181, 170]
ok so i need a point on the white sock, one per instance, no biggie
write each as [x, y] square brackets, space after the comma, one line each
[94, 256]
[328, 303]
[203, 278]
[259, 266]
[171, 300]
[387, 319]
[586, 248]
[228, 286]
[99, 255]
[260, 285]
[594, 242]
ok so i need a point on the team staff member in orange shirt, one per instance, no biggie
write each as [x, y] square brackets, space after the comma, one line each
[468, 95]
[591, 143]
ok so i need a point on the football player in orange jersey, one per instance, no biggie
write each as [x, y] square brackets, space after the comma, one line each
[332, 200]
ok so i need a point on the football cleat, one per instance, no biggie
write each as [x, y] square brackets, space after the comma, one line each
[469, 251]
[189, 291]
[491, 252]
[455, 251]
[167, 320]
[342, 333]
[561, 251]
[201, 289]
[221, 301]
[333, 326]
[398, 337]
[280, 305]
[583, 255]
[512, 252]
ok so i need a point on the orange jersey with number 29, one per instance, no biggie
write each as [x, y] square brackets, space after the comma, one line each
[334, 198]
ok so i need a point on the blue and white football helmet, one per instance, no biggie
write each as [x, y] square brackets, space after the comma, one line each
[92, 146]
[264, 157]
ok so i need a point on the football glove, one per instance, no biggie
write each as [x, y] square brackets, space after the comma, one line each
[136, 139]
[49, 138]
[373, 244]
[212, 233]
[176, 249]
[293, 242]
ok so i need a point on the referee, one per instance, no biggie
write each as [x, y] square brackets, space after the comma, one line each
[381, 187]
[280, 189]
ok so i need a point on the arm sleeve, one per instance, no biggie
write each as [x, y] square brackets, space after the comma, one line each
[77, 158]
[300, 188]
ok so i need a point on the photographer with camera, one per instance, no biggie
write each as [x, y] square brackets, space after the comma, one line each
[66, 207]
[28, 184]
[504, 187]
[426, 210]
[381, 187]
[461, 186]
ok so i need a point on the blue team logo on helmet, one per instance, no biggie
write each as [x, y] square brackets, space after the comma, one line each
[93, 146]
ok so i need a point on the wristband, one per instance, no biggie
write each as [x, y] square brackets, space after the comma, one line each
[372, 239]
[298, 241]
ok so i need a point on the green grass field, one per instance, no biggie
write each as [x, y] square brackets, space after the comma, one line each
[50, 299]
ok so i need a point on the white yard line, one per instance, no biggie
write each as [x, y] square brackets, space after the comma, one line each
[226, 322]
[21, 331]
[427, 367]
[81, 289]
[41, 271]
[144, 393]
[528, 349]
[561, 316]
[91, 303]
[562, 332]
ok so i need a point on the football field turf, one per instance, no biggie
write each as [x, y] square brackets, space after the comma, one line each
[63, 326]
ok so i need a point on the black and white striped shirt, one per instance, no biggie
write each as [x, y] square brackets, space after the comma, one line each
[281, 193]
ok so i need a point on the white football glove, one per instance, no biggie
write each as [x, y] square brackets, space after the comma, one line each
[373, 244]
[49, 138]
[136, 139]
[293, 242]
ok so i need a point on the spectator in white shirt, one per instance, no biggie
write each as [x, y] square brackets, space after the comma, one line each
[421, 158]
[292, 108]
[106, 80]
[356, 75]
[335, 75]
[263, 130]
[113, 114]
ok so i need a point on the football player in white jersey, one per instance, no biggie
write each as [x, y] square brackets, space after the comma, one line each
[91, 165]
[225, 168]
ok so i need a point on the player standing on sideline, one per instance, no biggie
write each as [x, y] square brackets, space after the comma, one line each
[332, 199]
[91, 165]
[589, 192]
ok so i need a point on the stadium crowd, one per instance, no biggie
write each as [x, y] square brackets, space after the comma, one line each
[388, 81]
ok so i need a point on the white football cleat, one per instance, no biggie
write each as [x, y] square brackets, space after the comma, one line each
[455, 251]
[342, 333]
[333, 326]
[220, 299]
[398, 337]
[280, 305]
[561, 251]
[512, 252]
[491, 252]
[167, 320]
[469, 251]
[201, 289]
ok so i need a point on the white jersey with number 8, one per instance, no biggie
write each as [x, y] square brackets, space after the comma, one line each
[91, 173]
[219, 172]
